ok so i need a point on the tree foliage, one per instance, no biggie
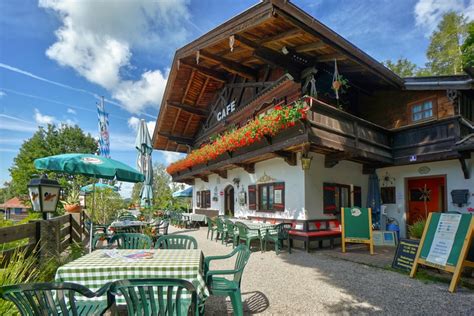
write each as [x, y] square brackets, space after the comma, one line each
[444, 51]
[468, 47]
[49, 141]
[107, 204]
[402, 67]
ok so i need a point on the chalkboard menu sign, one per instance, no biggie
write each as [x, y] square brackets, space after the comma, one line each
[405, 254]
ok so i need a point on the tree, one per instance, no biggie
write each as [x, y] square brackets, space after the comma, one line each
[402, 67]
[47, 142]
[107, 203]
[468, 47]
[444, 51]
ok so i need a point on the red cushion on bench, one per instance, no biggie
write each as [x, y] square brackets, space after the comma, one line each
[320, 233]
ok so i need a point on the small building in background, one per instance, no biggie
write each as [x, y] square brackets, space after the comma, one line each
[14, 209]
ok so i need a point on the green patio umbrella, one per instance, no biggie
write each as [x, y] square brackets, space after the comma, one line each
[91, 187]
[145, 148]
[92, 166]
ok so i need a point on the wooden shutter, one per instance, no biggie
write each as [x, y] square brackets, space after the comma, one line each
[329, 198]
[252, 197]
[357, 196]
[198, 198]
[207, 194]
[279, 186]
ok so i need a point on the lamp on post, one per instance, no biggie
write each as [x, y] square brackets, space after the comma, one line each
[44, 195]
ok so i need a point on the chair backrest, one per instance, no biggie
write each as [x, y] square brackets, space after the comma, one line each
[176, 242]
[131, 241]
[283, 230]
[98, 238]
[210, 222]
[220, 223]
[127, 217]
[128, 229]
[243, 255]
[39, 299]
[230, 226]
[167, 296]
[163, 227]
[243, 229]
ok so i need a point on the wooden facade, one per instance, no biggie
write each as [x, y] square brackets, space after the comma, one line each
[262, 58]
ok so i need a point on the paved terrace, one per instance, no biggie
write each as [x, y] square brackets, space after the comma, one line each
[322, 283]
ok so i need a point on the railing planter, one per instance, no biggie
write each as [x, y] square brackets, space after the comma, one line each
[73, 208]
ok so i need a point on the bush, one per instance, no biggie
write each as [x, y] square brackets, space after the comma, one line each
[20, 269]
[416, 229]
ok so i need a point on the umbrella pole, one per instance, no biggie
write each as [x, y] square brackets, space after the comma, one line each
[92, 212]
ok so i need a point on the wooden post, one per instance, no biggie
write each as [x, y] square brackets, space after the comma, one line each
[50, 242]
[462, 257]
[371, 245]
[342, 231]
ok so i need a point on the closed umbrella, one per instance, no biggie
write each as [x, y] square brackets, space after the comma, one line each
[92, 166]
[374, 199]
[145, 148]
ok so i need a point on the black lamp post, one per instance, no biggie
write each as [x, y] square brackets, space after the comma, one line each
[44, 195]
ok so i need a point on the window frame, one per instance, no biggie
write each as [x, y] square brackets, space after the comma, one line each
[421, 102]
[259, 202]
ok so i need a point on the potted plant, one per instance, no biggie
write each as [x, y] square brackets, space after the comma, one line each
[72, 203]
[415, 231]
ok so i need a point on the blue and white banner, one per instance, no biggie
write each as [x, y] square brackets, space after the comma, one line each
[104, 140]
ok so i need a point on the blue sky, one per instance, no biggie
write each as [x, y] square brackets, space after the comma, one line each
[57, 56]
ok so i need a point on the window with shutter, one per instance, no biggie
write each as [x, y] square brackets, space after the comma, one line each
[208, 198]
[329, 198]
[357, 196]
[279, 196]
[198, 198]
[252, 197]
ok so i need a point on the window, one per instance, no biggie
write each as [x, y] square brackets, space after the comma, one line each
[271, 197]
[203, 199]
[336, 196]
[422, 111]
[387, 195]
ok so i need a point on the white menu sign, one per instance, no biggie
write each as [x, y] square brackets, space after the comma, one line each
[443, 239]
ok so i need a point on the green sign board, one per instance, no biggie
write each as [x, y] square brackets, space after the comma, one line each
[356, 226]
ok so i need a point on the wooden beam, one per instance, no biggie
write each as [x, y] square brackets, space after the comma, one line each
[231, 66]
[188, 108]
[330, 57]
[281, 36]
[221, 173]
[260, 84]
[178, 139]
[203, 178]
[465, 168]
[368, 169]
[271, 57]
[310, 47]
[188, 181]
[288, 156]
[249, 167]
[330, 160]
[219, 76]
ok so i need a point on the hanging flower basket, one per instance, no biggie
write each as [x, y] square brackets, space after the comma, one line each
[280, 118]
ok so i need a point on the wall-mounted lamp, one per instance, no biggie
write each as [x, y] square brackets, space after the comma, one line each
[44, 195]
[305, 161]
[236, 182]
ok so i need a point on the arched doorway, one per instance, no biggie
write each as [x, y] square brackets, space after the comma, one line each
[229, 200]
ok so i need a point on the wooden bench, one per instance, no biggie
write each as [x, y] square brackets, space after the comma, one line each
[315, 230]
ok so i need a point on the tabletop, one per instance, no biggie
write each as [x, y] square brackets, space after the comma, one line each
[97, 268]
[127, 223]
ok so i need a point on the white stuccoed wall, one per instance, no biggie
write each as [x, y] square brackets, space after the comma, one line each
[345, 172]
[454, 178]
[277, 168]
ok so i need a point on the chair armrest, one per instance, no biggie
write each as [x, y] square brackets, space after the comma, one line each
[103, 290]
[208, 259]
[209, 274]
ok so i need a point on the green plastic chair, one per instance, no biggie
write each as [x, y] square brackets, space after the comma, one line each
[131, 241]
[135, 229]
[127, 217]
[221, 229]
[155, 297]
[277, 235]
[100, 237]
[231, 232]
[40, 299]
[176, 242]
[246, 234]
[221, 286]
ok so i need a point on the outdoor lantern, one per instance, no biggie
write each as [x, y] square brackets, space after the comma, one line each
[44, 195]
[306, 161]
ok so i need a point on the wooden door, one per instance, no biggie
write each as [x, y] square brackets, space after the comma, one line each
[229, 201]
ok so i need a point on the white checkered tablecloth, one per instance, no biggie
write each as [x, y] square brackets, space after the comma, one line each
[97, 268]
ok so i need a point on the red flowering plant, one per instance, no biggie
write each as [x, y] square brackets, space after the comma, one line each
[270, 124]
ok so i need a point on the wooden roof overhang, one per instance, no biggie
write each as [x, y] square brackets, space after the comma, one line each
[261, 36]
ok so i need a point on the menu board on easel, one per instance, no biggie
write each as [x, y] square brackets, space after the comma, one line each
[445, 244]
[356, 225]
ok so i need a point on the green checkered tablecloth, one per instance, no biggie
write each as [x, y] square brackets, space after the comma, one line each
[97, 268]
[257, 226]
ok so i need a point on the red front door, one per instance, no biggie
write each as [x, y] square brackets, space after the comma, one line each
[425, 195]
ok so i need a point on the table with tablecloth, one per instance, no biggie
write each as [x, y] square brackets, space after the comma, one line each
[98, 268]
[256, 226]
[196, 217]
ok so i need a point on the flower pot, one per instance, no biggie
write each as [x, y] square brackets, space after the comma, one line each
[73, 208]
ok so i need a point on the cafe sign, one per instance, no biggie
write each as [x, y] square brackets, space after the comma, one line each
[226, 111]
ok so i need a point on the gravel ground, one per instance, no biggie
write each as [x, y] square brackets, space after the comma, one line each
[310, 284]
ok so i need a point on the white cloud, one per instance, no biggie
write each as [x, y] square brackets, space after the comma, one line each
[71, 111]
[428, 13]
[42, 119]
[97, 39]
[2, 94]
[134, 122]
[171, 156]
[126, 189]
[11, 123]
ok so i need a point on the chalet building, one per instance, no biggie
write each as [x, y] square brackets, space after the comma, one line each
[414, 135]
